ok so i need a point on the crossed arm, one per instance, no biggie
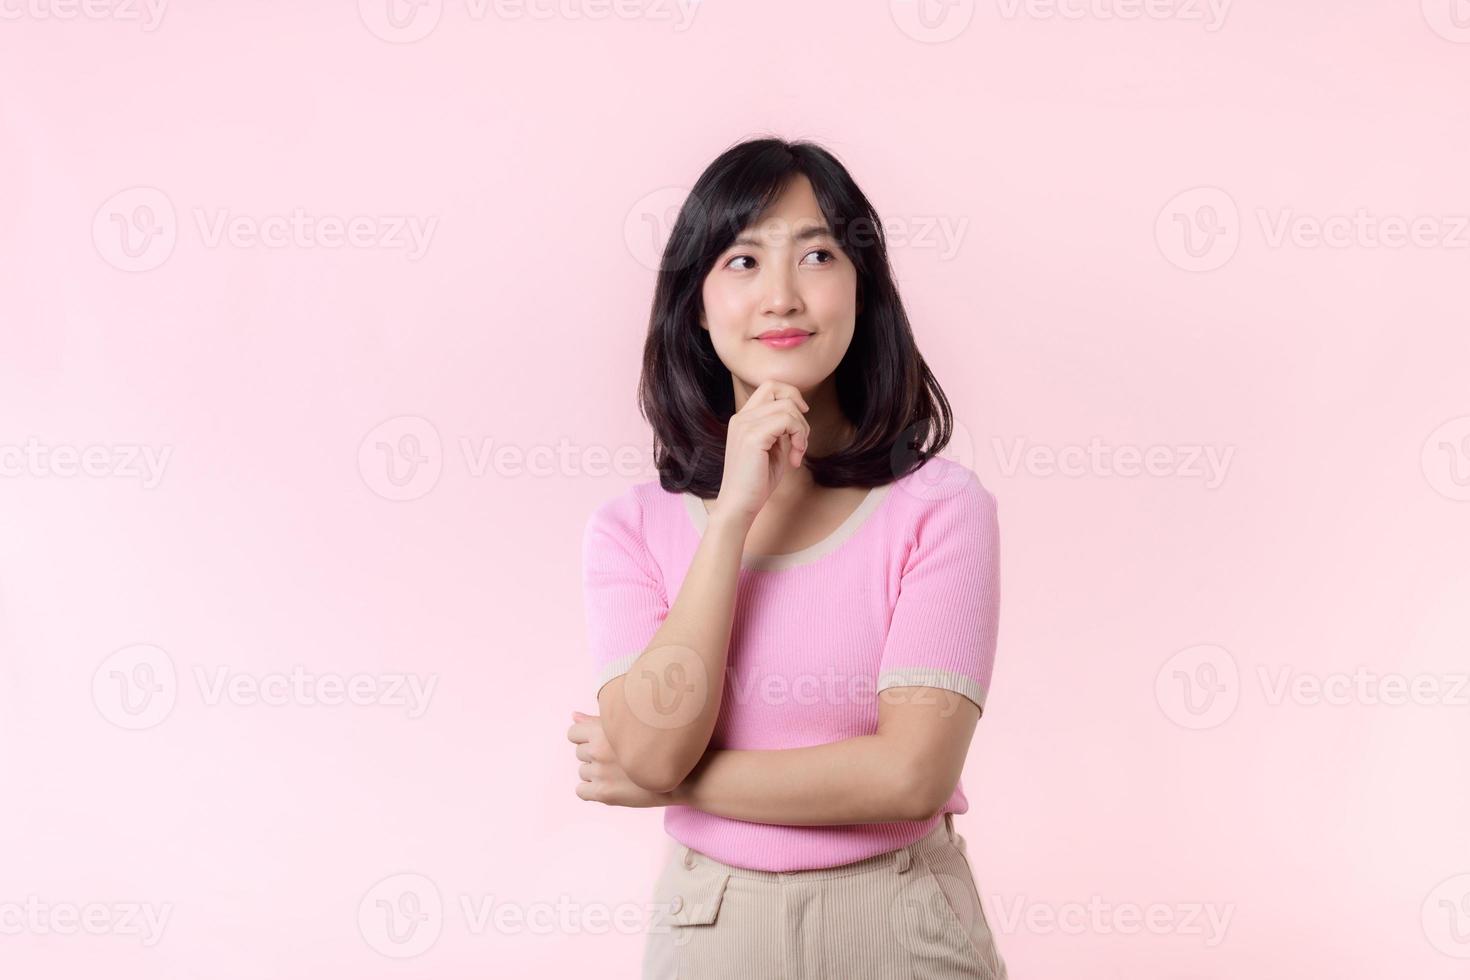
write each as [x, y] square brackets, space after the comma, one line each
[906, 770]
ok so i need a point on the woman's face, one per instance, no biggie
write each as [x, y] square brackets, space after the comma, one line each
[784, 272]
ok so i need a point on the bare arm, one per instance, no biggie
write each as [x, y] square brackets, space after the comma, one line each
[659, 715]
[906, 771]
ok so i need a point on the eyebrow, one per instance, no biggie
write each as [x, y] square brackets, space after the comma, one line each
[806, 234]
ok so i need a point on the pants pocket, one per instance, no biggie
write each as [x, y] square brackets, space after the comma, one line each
[687, 902]
[948, 932]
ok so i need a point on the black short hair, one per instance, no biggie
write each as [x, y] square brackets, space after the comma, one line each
[901, 415]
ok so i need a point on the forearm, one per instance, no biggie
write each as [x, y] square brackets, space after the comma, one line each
[661, 713]
[867, 779]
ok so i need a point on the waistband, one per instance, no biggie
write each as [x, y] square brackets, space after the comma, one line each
[898, 860]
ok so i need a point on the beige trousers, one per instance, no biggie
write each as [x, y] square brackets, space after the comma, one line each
[907, 914]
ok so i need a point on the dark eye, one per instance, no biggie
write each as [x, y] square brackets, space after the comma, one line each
[822, 251]
[737, 259]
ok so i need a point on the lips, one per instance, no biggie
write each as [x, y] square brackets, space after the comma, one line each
[783, 339]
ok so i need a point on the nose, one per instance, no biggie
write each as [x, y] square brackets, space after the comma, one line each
[781, 295]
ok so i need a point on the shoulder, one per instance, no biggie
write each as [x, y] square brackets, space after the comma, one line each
[945, 517]
[944, 491]
[631, 513]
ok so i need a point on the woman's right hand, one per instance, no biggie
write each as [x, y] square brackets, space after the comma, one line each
[765, 438]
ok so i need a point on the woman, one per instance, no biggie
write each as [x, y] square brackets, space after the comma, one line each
[794, 626]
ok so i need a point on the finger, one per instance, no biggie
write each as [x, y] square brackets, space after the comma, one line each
[779, 425]
[770, 390]
[783, 390]
[584, 752]
[797, 405]
[585, 771]
[580, 732]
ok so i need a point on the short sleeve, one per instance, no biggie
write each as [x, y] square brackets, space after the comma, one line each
[623, 590]
[947, 615]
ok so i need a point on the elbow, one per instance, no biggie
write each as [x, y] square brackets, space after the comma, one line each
[647, 763]
[654, 778]
[648, 769]
[922, 799]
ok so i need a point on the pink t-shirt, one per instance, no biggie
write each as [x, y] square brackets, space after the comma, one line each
[905, 592]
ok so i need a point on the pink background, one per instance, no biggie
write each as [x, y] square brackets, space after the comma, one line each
[1113, 189]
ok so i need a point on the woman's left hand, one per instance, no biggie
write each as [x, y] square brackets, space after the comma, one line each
[603, 778]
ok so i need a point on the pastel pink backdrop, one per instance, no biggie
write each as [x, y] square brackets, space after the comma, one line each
[1129, 205]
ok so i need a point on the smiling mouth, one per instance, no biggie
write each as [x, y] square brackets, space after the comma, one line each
[783, 339]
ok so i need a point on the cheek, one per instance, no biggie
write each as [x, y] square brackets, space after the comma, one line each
[722, 301]
[835, 298]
